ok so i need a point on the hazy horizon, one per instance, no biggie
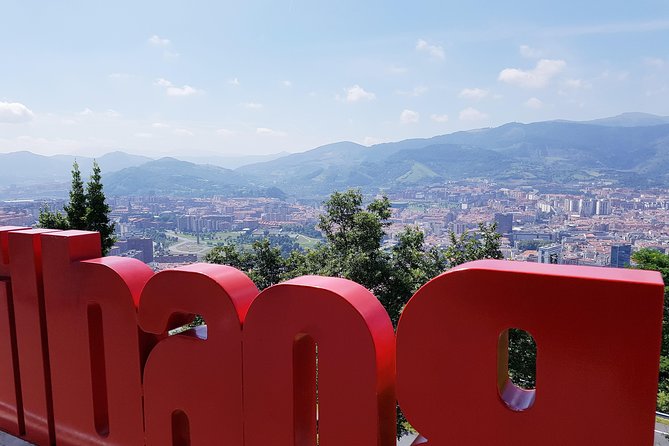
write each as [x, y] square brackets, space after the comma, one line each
[228, 79]
[188, 156]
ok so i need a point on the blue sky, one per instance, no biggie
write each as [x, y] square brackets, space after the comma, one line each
[167, 78]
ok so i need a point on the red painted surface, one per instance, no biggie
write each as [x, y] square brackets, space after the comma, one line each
[598, 342]
[93, 340]
[9, 402]
[193, 387]
[25, 248]
[253, 379]
[11, 418]
[4, 247]
[356, 365]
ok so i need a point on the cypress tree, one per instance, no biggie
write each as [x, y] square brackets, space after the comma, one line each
[97, 210]
[75, 210]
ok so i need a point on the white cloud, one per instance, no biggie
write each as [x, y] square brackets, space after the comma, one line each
[158, 41]
[183, 132]
[143, 135]
[186, 90]
[534, 103]
[529, 52]
[269, 132]
[654, 62]
[287, 83]
[224, 132]
[15, 113]
[415, 92]
[439, 118]
[173, 90]
[371, 140]
[435, 51]
[538, 77]
[159, 125]
[357, 93]
[252, 106]
[472, 114]
[234, 81]
[473, 93]
[576, 83]
[163, 82]
[109, 113]
[409, 117]
[165, 44]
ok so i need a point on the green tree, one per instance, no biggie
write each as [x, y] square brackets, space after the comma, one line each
[52, 220]
[410, 266]
[268, 266]
[97, 210]
[86, 210]
[353, 242]
[468, 247]
[353, 249]
[650, 259]
[76, 209]
[227, 254]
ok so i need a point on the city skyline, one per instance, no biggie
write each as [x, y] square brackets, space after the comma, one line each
[223, 78]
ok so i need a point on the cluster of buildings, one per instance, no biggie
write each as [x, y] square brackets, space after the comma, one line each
[598, 226]
[592, 226]
[202, 215]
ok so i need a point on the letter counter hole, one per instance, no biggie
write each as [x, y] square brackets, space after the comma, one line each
[516, 369]
[305, 390]
[180, 429]
[191, 325]
[98, 369]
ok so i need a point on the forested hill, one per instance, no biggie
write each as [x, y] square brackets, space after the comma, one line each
[552, 151]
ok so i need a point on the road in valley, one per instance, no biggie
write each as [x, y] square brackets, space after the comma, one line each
[188, 246]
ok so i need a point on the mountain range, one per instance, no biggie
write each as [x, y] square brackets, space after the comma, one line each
[631, 149]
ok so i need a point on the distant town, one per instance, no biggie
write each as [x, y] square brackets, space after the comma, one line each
[597, 226]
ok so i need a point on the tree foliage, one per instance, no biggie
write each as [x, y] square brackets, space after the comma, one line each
[87, 209]
[353, 249]
[650, 259]
[52, 220]
[76, 209]
[96, 216]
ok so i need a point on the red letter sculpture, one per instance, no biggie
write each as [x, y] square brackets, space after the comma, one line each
[93, 341]
[355, 342]
[193, 386]
[597, 332]
[25, 249]
[11, 410]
